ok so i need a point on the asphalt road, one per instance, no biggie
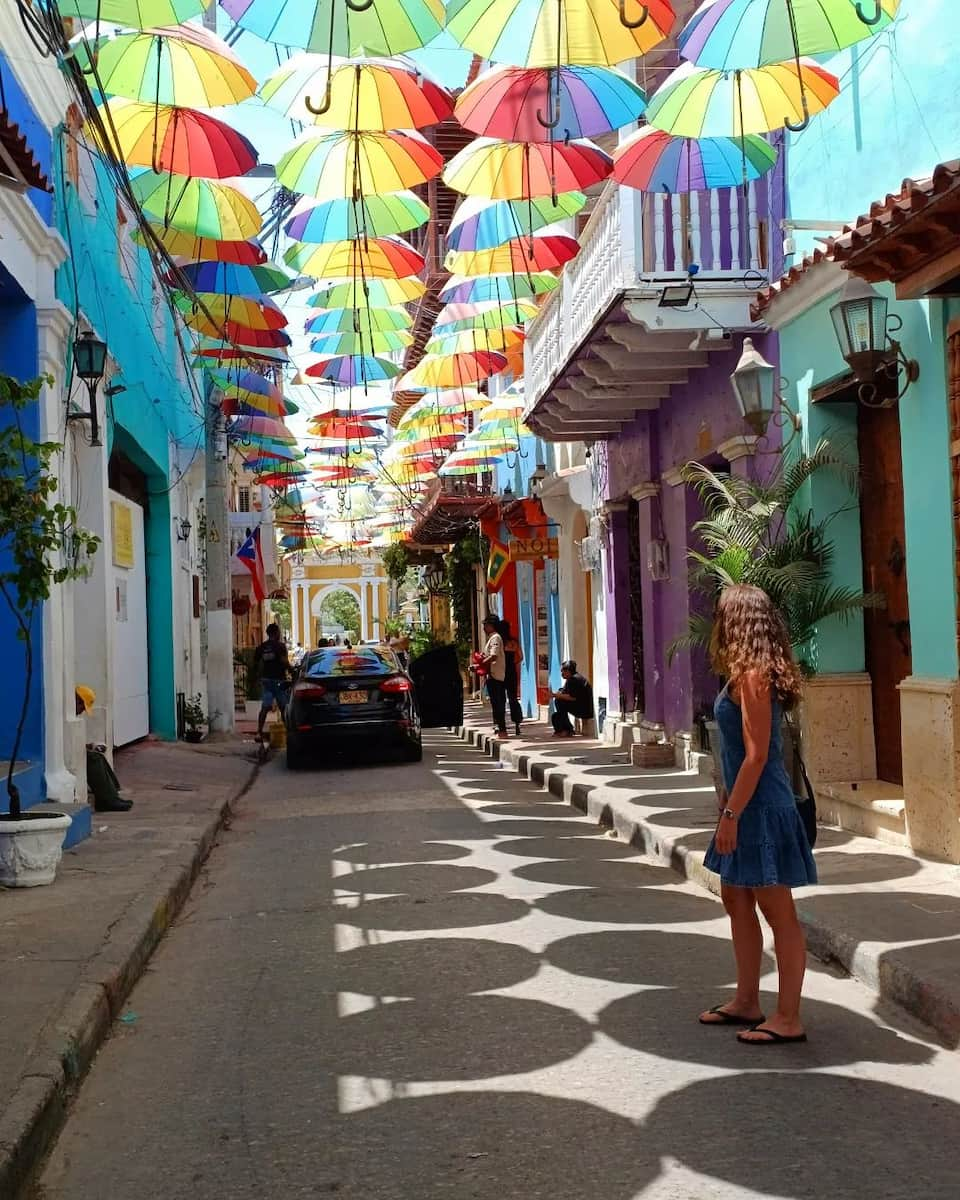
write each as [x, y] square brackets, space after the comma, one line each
[436, 982]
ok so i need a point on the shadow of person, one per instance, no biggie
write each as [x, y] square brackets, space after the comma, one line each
[457, 1038]
[420, 880]
[653, 957]
[814, 1137]
[487, 1146]
[663, 1022]
[375, 854]
[645, 906]
[454, 910]
[431, 967]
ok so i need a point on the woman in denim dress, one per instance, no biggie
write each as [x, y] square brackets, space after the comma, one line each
[760, 849]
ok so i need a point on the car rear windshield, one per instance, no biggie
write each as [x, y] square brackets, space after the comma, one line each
[362, 660]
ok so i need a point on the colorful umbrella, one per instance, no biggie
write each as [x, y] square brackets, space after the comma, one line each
[134, 14]
[454, 370]
[591, 32]
[534, 105]
[183, 65]
[540, 252]
[500, 288]
[204, 207]
[696, 102]
[453, 400]
[349, 320]
[233, 334]
[335, 344]
[518, 170]
[346, 218]
[364, 293]
[257, 314]
[232, 279]
[248, 385]
[178, 140]
[729, 35]
[474, 340]
[353, 369]
[368, 94]
[189, 248]
[334, 165]
[225, 354]
[379, 27]
[455, 317]
[373, 258]
[480, 224]
[653, 161]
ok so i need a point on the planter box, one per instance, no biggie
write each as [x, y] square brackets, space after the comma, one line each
[31, 849]
[653, 754]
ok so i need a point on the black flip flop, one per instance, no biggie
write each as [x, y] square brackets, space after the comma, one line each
[731, 1019]
[771, 1037]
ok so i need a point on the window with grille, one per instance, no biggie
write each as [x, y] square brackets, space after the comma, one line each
[243, 499]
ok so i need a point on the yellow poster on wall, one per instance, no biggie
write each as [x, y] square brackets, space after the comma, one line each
[121, 521]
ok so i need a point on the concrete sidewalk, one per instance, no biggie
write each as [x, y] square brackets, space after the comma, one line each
[70, 953]
[886, 916]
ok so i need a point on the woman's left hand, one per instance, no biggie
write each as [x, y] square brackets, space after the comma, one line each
[725, 839]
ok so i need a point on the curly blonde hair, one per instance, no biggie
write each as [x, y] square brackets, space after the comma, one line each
[749, 634]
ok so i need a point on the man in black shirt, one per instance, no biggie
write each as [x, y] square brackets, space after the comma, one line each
[271, 657]
[575, 699]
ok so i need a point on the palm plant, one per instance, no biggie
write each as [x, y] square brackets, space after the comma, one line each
[756, 533]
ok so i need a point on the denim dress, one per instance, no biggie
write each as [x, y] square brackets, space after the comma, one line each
[772, 847]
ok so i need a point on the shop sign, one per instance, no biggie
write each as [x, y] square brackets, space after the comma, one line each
[122, 529]
[532, 548]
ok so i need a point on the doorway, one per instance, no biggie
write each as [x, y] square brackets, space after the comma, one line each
[889, 658]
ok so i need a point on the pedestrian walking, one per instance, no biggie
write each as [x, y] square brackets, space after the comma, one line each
[511, 680]
[273, 662]
[760, 849]
[574, 699]
[493, 658]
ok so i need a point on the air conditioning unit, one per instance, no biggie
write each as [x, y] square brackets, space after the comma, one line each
[589, 549]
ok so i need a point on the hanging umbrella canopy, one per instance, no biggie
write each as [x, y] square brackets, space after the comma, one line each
[454, 370]
[187, 247]
[233, 334]
[261, 313]
[474, 340]
[358, 94]
[367, 293]
[499, 288]
[332, 344]
[369, 258]
[730, 35]
[255, 407]
[535, 105]
[181, 141]
[346, 218]
[452, 400]
[480, 224]
[232, 279]
[454, 318]
[525, 32]
[696, 102]
[265, 428]
[544, 251]
[134, 14]
[223, 353]
[183, 65]
[331, 166]
[202, 207]
[653, 161]
[517, 170]
[248, 385]
[353, 430]
[501, 409]
[367, 320]
[351, 370]
[383, 27]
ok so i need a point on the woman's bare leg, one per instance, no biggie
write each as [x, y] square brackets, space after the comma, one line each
[740, 903]
[776, 904]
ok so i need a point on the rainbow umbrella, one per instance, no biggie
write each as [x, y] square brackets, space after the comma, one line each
[266, 428]
[367, 293]
[480, 224]
[134, 14]
[518, 170]
[335, 165]
[368, 94]
[381, 27]
[247, 385]
[369, 258]
[454, 370]
[451, 400]
[232, 279]
[183, 65]
[697, 102]
[653, 161]
[474, 340]
[187, 247]
[730, 35]
[535, 105]
[261, 313]
[180, 141]
[349, 320]
[348, 431]
[454, 318]
[544, 251]
[499, 288]
[346, 218]
[335, 344]
[203, 207]
[234, 334]
[222, 353]
[351, 370]
[591, 32]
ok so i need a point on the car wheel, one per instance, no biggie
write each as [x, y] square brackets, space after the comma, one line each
[295, 755]
[414, 752]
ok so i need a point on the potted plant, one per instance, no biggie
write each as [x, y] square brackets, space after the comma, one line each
[195, 718]
[41, 545]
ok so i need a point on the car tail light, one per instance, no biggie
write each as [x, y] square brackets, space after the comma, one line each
[309, 691]
[395, 684]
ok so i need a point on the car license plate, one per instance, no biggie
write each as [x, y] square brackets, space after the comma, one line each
[354, 697]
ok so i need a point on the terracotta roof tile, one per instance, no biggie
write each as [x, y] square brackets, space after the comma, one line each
[768, 295]
[17, 156]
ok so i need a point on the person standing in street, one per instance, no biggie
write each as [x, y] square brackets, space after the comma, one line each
[271, 657]
[760, 849]
[574, 699]
[514, 657]
[495, 661]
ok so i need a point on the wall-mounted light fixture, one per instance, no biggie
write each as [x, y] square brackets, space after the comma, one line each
[183, 528]
[89, 362]
[537, 478]
[757, 390]
[863, 328]
[435, 578]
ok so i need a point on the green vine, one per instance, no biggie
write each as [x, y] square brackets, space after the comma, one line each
[396, 562]
[467, 554]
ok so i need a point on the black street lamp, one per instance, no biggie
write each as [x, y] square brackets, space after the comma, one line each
[435, 578]
[863, 329]
[89, 361]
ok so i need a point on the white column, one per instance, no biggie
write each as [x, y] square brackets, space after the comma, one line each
[295, 621]
[364, 621]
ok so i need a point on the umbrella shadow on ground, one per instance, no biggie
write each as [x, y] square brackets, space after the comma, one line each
[549, 807]
[459, 910]
[584, 847]
[644, 906]
[601, 874]
[541, 828]
[940, 961]
[419, 880]
[376, 854]
[837, 869]
[432, 967]
[890, 916]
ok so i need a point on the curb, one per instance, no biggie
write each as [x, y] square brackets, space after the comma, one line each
[893, 979]
[37, 1108]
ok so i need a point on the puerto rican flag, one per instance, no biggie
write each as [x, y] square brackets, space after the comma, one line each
[252, 558]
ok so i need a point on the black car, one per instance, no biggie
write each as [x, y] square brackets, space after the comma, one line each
[360, 694]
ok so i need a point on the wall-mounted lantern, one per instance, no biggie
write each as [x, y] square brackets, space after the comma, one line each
[90, 362]
[863, 327]
[183, 529]
[757, 390]
[435, 578]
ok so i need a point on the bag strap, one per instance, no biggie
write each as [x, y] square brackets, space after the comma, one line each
[808, 786]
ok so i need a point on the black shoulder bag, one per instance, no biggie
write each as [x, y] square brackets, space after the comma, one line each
[806, 805]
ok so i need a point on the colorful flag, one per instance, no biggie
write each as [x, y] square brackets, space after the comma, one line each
[252, 558]
[497, 565]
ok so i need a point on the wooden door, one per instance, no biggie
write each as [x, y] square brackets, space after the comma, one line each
[887, 630]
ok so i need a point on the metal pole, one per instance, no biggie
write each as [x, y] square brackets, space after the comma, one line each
[220, 692]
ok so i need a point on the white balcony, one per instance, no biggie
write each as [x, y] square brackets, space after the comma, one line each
[602, 347]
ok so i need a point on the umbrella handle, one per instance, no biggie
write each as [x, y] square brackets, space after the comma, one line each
[644, 13]
[799, 126]
[553, 120]
[321, 108]
[872, 20]
[354, 6]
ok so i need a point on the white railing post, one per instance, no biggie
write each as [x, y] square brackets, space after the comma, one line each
[754, 227]
[695, 231]
[715, 229]
[735, 263]
[659, 233]
[676, 207]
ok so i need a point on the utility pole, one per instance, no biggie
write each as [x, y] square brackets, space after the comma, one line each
[220, 691]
